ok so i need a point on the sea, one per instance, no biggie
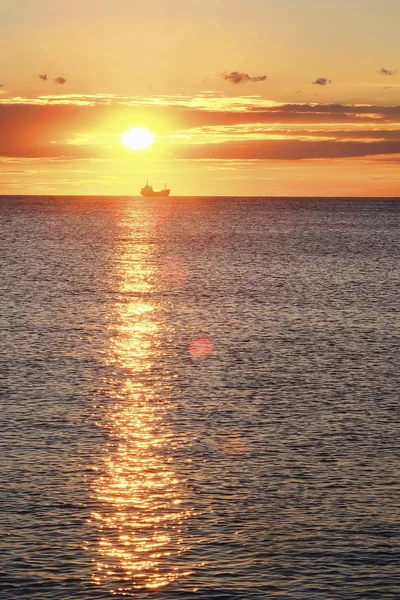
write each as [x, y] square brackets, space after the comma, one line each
[199, 398]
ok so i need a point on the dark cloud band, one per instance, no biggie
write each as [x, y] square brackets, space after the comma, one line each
[45, 130]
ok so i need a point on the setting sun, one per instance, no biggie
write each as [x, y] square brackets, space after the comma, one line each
[138, 138]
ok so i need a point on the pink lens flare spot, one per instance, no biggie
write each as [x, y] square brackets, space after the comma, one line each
[201, 346]
[173, 270]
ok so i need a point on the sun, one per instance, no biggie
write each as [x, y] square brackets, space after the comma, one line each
[138, 138]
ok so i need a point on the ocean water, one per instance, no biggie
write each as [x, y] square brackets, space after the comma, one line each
[199, 398]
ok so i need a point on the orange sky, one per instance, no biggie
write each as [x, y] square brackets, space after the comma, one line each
[255, 97]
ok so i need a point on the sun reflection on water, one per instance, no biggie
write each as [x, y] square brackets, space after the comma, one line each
[140, 504]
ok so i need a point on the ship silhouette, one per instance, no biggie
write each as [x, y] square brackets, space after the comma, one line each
[148, 191]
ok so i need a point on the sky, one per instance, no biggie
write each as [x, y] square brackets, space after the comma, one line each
[245, 97]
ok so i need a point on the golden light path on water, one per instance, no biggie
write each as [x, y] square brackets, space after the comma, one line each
[142, 509]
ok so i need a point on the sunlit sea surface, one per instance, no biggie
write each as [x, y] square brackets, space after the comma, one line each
[199, 398]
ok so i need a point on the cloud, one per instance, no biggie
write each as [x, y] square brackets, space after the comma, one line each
[287, 150]
[383, 71]
[58, 80]
[236, 77]
[322, 81]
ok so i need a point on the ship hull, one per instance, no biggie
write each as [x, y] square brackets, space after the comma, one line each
[162, 193]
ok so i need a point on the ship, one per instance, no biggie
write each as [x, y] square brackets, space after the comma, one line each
[148, 191]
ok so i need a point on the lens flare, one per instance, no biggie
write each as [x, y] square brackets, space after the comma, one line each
[201, 347]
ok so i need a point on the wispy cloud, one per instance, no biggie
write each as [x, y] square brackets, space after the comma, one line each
[210, 102]
[59, 80]
[383, 71]
[322, 81]
[43, 77]
[236, 77]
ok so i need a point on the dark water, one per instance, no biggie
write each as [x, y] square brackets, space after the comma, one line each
[199, 398]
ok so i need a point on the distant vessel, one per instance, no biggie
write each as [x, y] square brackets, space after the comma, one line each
[148, 191]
